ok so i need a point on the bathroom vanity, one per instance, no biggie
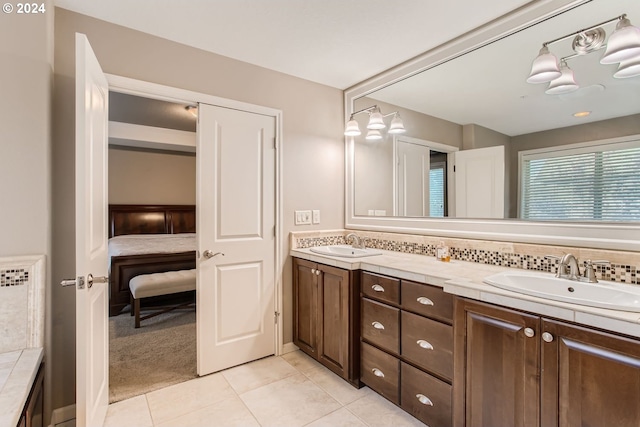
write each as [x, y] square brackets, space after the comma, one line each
[452, 350]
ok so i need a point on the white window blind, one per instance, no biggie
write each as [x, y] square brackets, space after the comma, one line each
[596, 182]
[437, 191]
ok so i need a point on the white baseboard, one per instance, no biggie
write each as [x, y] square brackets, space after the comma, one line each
[289, 347]
[61, 415]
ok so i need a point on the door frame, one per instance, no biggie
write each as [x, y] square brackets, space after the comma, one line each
[172, 94]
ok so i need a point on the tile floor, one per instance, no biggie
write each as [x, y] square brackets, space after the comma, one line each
[290, 390]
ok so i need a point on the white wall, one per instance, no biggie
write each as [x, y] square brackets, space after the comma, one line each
[313, 170]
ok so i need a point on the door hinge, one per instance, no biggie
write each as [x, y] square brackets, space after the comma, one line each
[276, 314]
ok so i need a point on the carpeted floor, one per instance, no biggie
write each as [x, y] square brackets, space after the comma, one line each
[160, 353]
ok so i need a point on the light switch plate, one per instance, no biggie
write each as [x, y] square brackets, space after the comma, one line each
[316, 216]
[303, 218]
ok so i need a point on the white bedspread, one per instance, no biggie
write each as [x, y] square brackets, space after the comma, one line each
[138, 244]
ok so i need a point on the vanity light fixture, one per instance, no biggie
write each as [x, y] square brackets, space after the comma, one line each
[376, 123]
[623, 46]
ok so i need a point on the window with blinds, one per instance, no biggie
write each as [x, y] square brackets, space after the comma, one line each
[437, 190]
[592, 182]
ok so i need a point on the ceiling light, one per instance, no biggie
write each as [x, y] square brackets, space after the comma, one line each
[193, 109]
[352, 128]
[396, 125]
[564, 84]
[581, 114]
[375, 120]
[630, 68]
[373, 135]
[544, 68]
[623, 44]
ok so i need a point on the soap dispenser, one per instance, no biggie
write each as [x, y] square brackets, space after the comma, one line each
[442, 252]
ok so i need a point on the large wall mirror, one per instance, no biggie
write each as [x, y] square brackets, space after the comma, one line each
[483, 152]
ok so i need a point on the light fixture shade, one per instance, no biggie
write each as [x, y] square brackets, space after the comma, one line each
[630, 68]
[375, 120]
[352, 128]
[623, 44]
[373, 135]
[564, 84]
[396, 125]
[544, 68]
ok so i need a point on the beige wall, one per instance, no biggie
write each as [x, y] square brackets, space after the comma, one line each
[313, 152]
[151, 177]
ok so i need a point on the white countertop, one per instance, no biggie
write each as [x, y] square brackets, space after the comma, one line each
[465, 279]
[18, 370]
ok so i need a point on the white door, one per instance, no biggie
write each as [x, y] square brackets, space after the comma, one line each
[413, 179]
[92, 328]
[479, 183]
[236, 237]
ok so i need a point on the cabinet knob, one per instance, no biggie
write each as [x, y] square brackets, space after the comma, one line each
[377, 372]
[424, 399]
[529, 332]
[313, 271]
[377, 325]
[424, 301]
[377, 288]
[547, 337]
[424, 344]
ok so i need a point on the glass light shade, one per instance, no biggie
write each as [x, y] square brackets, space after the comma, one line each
[352, 128]
[544, 68]
[373, 135]
[630, 68]
[564, 84]
[623, 44]
[396, 125]
[375, 120]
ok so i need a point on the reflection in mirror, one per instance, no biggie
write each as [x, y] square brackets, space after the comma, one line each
[557, 164]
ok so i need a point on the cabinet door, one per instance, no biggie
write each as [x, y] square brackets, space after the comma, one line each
[589, 378]
[496, 364]
[305, 297]
[333, 319]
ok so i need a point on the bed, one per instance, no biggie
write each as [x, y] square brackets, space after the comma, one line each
[147, 239]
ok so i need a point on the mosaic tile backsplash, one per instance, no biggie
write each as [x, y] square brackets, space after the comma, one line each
[615, 272]
[13, 277]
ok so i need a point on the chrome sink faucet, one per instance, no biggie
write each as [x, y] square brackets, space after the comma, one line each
[568, 261]
[356, 241]
[568, 268]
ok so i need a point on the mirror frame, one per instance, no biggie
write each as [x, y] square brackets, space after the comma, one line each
[616, 236]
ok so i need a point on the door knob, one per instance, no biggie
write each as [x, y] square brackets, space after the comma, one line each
[98, 279]
[209, 254]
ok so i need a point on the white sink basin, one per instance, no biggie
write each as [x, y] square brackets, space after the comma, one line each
[602, 294]
[345, 251]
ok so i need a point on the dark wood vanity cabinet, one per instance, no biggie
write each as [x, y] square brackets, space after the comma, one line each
[407, 345]
[519, 369]
[326, 316]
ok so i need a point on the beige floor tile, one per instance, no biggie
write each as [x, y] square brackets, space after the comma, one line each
[291, 402]
[301, 361]
[256, 374]
[230, 412]
[180, 399]
[338, 388]
[376, 411]
[132, 412]
[340, 418]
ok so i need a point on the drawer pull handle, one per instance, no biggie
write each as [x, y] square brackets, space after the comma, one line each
[424, 399]
[424, 301]
[377, 372]
[377, 325]
[425, 344]
[377, 288]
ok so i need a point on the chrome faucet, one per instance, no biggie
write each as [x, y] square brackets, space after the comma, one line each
[568, 261]
[357, 242]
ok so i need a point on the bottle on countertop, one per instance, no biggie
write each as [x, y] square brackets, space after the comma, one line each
[442, 252]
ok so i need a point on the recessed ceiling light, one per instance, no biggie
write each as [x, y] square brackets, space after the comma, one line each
[581, 114]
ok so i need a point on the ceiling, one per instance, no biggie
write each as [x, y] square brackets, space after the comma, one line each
[333, 42]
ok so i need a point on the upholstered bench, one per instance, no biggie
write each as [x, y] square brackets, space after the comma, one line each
[156, 284]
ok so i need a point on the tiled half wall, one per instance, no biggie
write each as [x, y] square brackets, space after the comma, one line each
[622, 268]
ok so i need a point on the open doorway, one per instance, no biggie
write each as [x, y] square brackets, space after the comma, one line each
[152, 197]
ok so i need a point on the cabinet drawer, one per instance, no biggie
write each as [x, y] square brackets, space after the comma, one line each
[427, 300]
[381, 325]
[381, 288]
[425, 397]
[381, 372]
[427, 343]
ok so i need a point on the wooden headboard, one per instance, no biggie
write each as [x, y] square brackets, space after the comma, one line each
[151, 219]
